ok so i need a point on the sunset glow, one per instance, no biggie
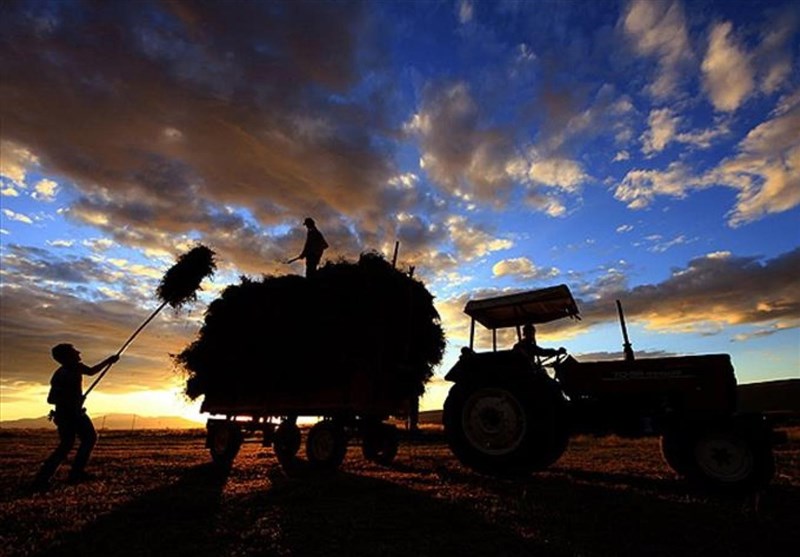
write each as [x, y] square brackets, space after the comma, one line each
[643, 150]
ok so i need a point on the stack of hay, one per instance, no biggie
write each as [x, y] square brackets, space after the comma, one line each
[296, 336]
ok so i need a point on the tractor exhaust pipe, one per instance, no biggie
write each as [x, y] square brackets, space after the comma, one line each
[626, 347]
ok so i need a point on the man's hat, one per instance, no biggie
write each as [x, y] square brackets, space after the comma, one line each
[308, 222]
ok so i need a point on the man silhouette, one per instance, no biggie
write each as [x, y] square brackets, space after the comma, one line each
[315, 245]
[66, 393]
[527, 345]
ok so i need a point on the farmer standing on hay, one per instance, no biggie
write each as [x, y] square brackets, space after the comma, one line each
[66, 393]
[315, 245]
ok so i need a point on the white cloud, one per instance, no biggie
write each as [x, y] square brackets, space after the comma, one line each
[14, 162]
[663, 126]
[523, 268]
[640, 187]
[45, 190]
[471, 242]
[61, 243]
[465, 11]
[624, 228]
[658, 29]
[19, 217]
[728, 75]
[557, 172]
[9, 191]
[622, 156]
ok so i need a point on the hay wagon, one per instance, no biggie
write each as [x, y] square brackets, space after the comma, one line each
[355, 409]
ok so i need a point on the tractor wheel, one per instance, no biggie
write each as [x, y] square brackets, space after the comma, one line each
[326, 445]
[286, 442]
[224, 439]
[380, 443]
[509, 428]
[730, 457]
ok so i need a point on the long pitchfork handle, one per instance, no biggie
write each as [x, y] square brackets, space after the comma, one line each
[123, 348]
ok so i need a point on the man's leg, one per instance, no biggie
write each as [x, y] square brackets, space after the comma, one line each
[66, 436]
[88, 437]
[311, 266]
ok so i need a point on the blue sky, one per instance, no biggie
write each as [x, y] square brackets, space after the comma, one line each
[640, 150]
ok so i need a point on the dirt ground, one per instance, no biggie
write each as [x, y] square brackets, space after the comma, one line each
[157, 494]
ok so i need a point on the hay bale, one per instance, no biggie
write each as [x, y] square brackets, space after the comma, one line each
[292, 335]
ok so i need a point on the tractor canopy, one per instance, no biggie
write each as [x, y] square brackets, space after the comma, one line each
[534, 306]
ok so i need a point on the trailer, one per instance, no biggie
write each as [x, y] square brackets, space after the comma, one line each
[358, 410]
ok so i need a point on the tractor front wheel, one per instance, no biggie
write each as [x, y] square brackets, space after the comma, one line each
[733, 456]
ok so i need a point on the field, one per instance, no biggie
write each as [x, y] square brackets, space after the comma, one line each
[157, 494]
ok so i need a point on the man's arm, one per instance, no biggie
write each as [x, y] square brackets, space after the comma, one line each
[99, 367]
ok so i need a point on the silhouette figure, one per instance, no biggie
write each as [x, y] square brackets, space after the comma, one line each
[315, 245]
[527, 345]
[66, 393]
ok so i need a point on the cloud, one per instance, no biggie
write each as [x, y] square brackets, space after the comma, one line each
[765, 171]
[523, 268]
[773, 57]
[639, 187]
[561, 173]
[465, 11]
[14, 162]
[179, 110]
[471, 242]
[658, 30]
[45, 190]
[623, 228]
[664, 124]
[728, 75]
[621, 156]
[18, 217]
[708, 295]
[766, 168]
[460, 152]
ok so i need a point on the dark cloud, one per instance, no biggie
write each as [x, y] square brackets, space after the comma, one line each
[163, 113]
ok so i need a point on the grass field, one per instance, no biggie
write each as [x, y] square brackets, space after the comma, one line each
[157, 494]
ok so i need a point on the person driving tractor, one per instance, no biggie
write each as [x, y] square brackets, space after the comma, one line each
[527, 345]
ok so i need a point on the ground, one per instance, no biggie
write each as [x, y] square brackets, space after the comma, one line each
[157, 494]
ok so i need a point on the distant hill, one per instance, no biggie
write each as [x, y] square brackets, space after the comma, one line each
[771, 396]
[111, 421]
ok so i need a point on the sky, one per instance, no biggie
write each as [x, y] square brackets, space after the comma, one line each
[643, 150]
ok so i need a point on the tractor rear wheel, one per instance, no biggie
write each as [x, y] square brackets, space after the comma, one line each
[507, 427]
[326, 445]
[380, 443]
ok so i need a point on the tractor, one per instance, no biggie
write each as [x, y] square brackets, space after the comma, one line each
[510, 414]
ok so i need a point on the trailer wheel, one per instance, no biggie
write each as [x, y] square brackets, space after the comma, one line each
[505, 428]
[224, 439]
[326, 445]
[732, 457]
[380, 443]
[286, 442]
